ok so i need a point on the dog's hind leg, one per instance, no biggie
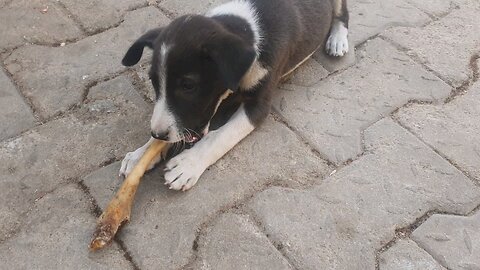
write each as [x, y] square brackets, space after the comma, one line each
[337, 43]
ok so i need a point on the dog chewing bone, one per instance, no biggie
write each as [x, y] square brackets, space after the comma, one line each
[119, 208]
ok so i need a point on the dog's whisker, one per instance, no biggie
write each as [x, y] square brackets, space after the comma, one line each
[195, 133]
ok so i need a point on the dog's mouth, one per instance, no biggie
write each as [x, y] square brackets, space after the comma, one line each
[192, 139]
[190, 136]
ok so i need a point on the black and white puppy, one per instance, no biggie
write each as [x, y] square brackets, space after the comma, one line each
[229, 60]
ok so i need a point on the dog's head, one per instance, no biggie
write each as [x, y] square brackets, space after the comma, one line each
[195, 62]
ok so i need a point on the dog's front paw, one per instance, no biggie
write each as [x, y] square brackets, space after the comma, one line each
[337, 43]
[183, 171]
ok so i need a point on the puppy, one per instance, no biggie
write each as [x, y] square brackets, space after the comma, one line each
[227, 63]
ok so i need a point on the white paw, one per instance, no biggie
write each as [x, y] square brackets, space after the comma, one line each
[131, 159]
[337, 43]
[182, 172]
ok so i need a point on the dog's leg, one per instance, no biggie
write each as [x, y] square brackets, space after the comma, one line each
[182, 172]
[337, 43]
[132, 158]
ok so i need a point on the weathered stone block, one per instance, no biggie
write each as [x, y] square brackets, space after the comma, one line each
[371, 17]
[55, 78]
[446, 45]
[114, 119]
[452, 128]
[333, 113]
[15, 115]
[342, 222]
[452, 240]
[55, 235]
[182, 7]
[233, 242]
[308, 74]
[96, 15]
[405, 254]
[39, 21]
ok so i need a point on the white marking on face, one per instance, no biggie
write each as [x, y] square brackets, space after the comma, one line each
[337, 43]
[245, 10]
[184, 170]
[163, 119]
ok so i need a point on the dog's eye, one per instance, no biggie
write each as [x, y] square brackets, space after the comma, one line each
[188, 84]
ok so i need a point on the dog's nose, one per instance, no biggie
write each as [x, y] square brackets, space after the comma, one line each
[160, 136]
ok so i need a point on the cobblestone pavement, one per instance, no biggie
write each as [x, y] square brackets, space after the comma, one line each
[368, 162]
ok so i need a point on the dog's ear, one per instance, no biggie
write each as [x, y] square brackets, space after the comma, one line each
[233, 57]
[135, 52]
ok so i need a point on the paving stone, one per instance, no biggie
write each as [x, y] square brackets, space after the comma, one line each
[446, 45]
[15, 115]
[405, 254]
[96, 15]
[371, 17]
[167, 221]
[76, 65]
[36, 162]
[56, 234]
[342, 222]
[434, 8]
[333, 64]
[333, 113]
[452, 240]
[452, 129]
[3, 3]
[39, 21]
[182, 7]
[233, 242]
[308, 74]
[142, 73]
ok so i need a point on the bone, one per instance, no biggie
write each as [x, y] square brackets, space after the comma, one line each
[119, 209]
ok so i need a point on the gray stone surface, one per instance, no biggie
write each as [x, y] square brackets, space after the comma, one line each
[181, 7]
[434, 8]
[308, 74]
[333, 113]
[15, 115]
[142, 73]
[370, 17]
[341, 223]
[39, 21]
[405, 254]
[31, 165]
[452, 128]
[78, 64]
[55, 235]
[233, 242]
[4, 2]
[332, 63]
[96, 15]
[446, 45]
[167, 221]
[452, 240]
